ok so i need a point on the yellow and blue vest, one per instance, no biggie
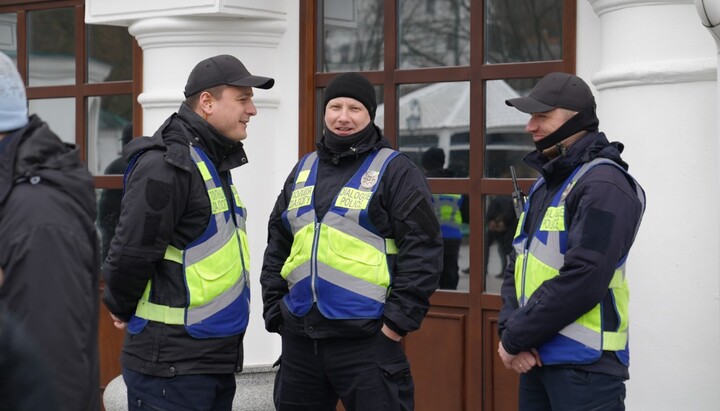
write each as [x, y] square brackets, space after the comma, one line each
[447, 210]
[541, 258]
[216, 267]
[341, 262]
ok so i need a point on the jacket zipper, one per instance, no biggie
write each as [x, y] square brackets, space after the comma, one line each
[313, 262]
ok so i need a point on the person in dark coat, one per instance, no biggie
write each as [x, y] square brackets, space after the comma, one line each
[564, 323]
[24, 379]
[176, 273]
[49, 248]
[354, 253]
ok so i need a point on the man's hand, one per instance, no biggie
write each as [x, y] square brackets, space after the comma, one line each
[118, 323]
[389, 333]
[520, 363]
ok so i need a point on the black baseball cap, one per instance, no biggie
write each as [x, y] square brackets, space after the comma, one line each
[555, 90]
[223, 69]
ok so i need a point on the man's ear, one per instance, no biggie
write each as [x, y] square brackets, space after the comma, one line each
[205, 102]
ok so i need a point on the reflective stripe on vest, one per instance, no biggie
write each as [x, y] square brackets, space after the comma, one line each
[215, 265]
[340, 263]
[584, 340]
[447, 210]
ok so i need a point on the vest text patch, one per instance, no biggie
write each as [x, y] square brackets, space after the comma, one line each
[301, 197]
[554, 219]
[352, 198]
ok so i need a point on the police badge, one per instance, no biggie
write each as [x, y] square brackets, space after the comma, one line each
[369, 179]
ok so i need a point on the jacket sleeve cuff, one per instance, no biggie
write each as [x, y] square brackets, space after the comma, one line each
[391, 325]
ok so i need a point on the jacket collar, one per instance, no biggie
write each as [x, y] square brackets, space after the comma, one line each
[591, 146]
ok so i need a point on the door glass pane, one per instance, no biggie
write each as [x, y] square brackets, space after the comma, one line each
[8, 34]
[108, 203]
[109, 127]
[433, 33]
[58, 113]
[506, 141]
[51, 47]
[352, 33]
[109, 54]
[435, 115]
[523, 30]
[500, 224]
[452, 212]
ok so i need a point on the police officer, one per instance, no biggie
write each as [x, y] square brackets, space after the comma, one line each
[564, 321]
[354, 253]
[177, 271]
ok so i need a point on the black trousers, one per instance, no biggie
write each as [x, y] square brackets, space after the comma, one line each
[368, 374]
[567, 389]
[196, 392]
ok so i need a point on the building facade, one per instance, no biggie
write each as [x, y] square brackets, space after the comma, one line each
[442, 70]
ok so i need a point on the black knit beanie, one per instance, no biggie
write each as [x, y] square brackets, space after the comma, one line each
[354, 86]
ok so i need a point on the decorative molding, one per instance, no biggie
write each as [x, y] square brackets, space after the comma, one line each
[126, 12]
[653, 73]
[197, 32]
[172, 98]
[606, 6]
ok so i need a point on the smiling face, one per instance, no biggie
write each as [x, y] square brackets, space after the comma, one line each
[542, 125]
[345, 116]
[230, 111]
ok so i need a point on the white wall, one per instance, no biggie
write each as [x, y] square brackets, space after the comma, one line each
[656, 83]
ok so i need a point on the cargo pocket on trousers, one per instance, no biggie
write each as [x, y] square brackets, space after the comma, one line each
[399, 386]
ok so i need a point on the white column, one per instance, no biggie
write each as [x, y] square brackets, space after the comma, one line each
[174, 36]
[657, 94]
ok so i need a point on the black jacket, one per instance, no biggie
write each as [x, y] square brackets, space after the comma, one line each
[401, 209]
[602, 213]
[165, 202]
[50, 253]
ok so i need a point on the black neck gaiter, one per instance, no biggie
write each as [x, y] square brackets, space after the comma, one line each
[340, 144]
[583, 120]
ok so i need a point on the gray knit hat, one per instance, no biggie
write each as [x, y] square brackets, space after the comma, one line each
[13, 103]
[354, 86]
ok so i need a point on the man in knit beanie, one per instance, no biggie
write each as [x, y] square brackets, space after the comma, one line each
[49, 249]
[354, 253]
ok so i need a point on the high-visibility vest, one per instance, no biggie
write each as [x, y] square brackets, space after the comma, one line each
[584, 340]
[341, 262]
[216, 268]
[447, 210]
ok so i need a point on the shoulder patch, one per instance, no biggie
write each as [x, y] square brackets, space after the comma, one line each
[157, 194]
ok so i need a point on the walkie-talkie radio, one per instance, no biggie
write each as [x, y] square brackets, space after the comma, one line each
[517, 196]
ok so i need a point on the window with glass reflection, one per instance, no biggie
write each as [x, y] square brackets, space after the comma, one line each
[353, 35]
[523, 30]
[451, 210]
[443, 69]
[500, 224]
[108, 203]
[435, 115]
[58, 113]
[51, 47]
[109, 129]
[109, 54]
[506, 141]
[433, 33]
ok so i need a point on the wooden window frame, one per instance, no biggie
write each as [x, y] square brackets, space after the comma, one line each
[476, 186]
[81, 89]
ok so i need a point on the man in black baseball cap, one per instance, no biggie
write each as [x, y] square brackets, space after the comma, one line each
[223, 70]
[565, 295]
[176, 274]
[572, 96]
